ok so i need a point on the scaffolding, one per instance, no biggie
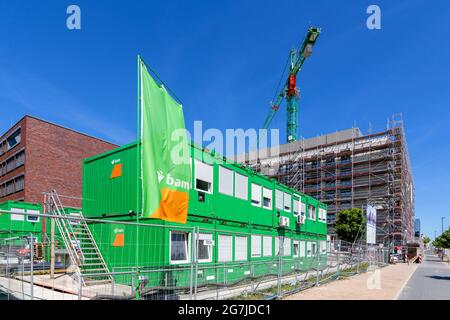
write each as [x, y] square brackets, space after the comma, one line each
[347, 169]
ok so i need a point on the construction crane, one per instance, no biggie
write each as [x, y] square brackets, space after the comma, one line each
[290, 90]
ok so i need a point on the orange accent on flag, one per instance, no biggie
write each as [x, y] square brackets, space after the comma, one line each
[119, 240]
[117, 171]
[173, 206]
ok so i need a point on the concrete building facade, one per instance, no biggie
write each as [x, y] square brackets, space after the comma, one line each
[347, 169]
[37, 156]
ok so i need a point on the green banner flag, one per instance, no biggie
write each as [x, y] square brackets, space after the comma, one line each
[166, 170]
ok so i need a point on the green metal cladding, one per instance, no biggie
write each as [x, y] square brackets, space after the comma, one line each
[216, 215]
[12, 226]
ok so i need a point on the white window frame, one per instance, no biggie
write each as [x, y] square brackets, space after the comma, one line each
[287, 199]
[287, 244]
[302, 248]
[223, 186]
[267, 246]
[256, 246]
[229, 255]
[296, 208]
[236, 243]
[33, 212]
[323, 247]
[313, 217]
[187, 247]
[267, 193]
[256, 191]
[277, 246]
[17, 217]
[200, 163]
[240, 186]
[295, 242]
[309, 248]
[314, 248]
[279, 200]
[205, 236]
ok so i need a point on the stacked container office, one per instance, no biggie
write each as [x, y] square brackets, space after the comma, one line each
[235, 212]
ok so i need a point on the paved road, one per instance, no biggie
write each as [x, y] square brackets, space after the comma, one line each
[431, 281]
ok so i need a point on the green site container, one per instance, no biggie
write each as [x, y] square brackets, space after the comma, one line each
[15, 226]
[107, 195]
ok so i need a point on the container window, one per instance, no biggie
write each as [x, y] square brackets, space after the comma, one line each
[287, 247]
[240, 248]
[295, 247]
[241, 186]
[313, 248]
[256, 195]
[308, 248]
[179, 247]
[17, 217]
[311, 212]
[204, 247]
[279, 199]
[277, 246]
[226, 181]
[267, 198]
[267, 246]
[302, 248]
[296, 207]
[256, 246]
[203, 176]
[31, 218]
[287, 202]
[225, 248]
[323, 247]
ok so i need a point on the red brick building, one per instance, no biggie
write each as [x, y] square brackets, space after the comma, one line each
[37, 156]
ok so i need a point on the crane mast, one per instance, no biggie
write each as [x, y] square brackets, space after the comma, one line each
[290, 90]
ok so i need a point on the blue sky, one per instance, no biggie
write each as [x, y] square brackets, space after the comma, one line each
[224, 60]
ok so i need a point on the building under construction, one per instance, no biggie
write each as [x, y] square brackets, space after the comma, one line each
[347, 169]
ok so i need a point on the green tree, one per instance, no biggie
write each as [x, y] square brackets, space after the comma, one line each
[426, 240]
[349, 224]
[443, 241]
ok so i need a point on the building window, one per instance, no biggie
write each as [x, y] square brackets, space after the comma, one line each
[267, 198]
[203, 176]
[287, 202]
[256, 195]
[19, 183]
[226, 179]
[267, 246]
[240, 249]
[10, 165]
[17, 217]
[323, 247]
[225, 248]
[296, 207]
[179, 247]
[13, 140]
[278, 199]
[31, 218]
[241, 186]
[277, 246]
[287, 247]
[20, 158]
[295, 248]
[302, 248]
[311, 212]
[308, 248]
[256, 246]
[10, 187]
[313, 248]
[204, 247]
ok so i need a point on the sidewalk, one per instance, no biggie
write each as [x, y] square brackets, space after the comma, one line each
[381, 284]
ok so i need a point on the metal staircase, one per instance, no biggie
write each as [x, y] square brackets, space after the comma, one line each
[79, 242]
